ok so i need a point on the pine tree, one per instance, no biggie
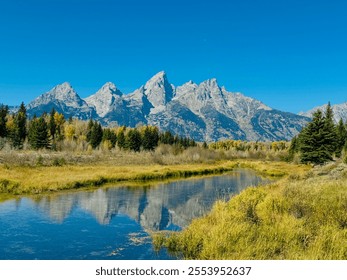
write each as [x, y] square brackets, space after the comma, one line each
[3, 120]
[133, 140]
[38, 135]
[313, 141]
[18, 132]
[109, 135]
[150, 138]
[52, 125]
[96, 135]
[121, 139]
[167, 138]
[341, 138]
[89, 130]
[329, 131]
[294, 147]
[21, 119]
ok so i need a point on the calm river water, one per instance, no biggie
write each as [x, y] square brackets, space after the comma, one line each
[112, 222]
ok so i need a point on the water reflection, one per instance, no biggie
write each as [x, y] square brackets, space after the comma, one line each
[109, 223]
[162, 207]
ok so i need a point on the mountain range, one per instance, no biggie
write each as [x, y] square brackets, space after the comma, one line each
[204, 112]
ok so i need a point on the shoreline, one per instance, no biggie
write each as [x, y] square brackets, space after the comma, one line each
[36, 180]
[300, 217]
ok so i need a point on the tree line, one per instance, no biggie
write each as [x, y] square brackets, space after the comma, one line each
[48, 131]
[321, 140]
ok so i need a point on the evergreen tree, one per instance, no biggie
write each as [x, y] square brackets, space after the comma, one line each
[121, 139]
[52, 124]
[341, 139]
[133, 140]
[38, 135]
[21, 119]
[313, 141]
[109, 135]
[294, 147]
[96, 135]
[329, 131]
[150, 138]
[166, 138]
[89, 130]
[18, 132]
[3, 120]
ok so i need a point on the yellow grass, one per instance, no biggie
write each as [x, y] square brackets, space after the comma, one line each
[26, 179]
[294, 218]
[19, 180]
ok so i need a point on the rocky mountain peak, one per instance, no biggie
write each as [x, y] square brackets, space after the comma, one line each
[62, 92]
[64, 99]
[210, 83]
[107, 90]
[158, 90]
[103, 100]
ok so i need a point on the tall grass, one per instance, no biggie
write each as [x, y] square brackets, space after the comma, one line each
[290, 219]
[38, 179]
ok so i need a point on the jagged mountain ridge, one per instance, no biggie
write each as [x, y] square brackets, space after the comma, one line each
[339, 110]
[204, 112]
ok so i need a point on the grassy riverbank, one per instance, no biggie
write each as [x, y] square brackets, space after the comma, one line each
[22, 180]
[37, 179]
[299, 217]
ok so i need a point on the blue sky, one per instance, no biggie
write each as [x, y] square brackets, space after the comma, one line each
[292, 55]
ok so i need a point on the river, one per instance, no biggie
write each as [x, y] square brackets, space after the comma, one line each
[109, 222]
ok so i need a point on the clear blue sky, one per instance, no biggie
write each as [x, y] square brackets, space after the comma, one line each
[292, 55]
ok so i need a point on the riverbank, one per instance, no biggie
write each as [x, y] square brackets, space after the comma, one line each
[38, 179]
[298, 217]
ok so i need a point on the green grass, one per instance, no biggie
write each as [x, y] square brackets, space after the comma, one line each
[303, 218]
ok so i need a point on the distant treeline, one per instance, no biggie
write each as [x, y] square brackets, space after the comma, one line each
[320, 141]
[53, 131]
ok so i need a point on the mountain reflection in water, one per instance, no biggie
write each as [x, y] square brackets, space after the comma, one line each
[159, 207]
[109, 222]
